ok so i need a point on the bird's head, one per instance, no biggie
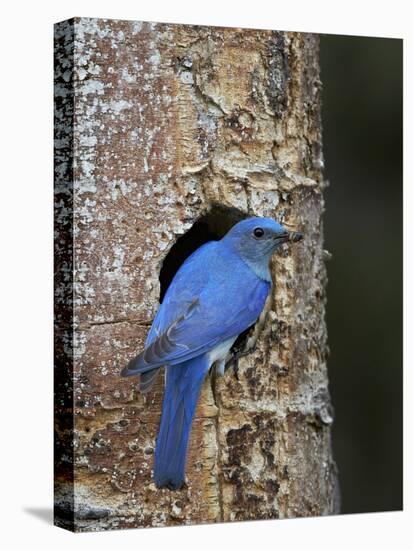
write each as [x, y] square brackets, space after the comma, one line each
[256, 239]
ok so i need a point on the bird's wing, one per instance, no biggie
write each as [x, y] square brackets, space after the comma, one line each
[213, 316]
[169, 347]
[187, 283]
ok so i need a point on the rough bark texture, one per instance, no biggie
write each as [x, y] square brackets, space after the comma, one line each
[157, 126]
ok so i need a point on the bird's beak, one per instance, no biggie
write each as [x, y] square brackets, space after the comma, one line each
[295, 236]
[289, 237]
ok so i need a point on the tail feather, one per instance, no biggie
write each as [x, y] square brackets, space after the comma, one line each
[182, 388]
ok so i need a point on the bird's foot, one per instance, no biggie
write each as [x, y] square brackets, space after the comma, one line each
[234, 360]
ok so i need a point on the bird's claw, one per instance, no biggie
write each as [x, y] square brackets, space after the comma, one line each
[234, 361]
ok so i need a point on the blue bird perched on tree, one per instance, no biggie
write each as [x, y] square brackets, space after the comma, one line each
[218, 292]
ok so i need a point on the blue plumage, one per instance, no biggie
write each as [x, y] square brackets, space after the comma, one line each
[182, 389]
[217, 293]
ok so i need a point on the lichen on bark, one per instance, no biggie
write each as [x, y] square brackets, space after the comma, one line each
[167, 123]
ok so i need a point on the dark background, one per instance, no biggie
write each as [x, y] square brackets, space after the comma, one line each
[362, 121]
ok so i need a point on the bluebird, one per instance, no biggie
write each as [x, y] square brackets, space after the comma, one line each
[217, 293]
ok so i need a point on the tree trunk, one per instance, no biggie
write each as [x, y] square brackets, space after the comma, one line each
[159, 127]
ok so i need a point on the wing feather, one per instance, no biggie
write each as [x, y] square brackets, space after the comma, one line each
[202, 308]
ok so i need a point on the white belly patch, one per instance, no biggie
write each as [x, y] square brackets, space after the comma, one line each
[219, 352]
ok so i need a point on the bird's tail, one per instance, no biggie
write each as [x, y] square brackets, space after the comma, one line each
[182, 388]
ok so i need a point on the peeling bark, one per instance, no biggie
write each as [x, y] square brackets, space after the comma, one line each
[157, 124]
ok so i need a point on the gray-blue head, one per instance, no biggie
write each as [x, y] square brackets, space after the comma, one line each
[256, 239]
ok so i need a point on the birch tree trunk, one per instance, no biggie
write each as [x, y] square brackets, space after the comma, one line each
[158, 127]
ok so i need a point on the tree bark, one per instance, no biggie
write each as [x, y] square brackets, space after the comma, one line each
[158, 126]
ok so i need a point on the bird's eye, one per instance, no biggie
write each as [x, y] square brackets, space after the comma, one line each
[258, 232]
